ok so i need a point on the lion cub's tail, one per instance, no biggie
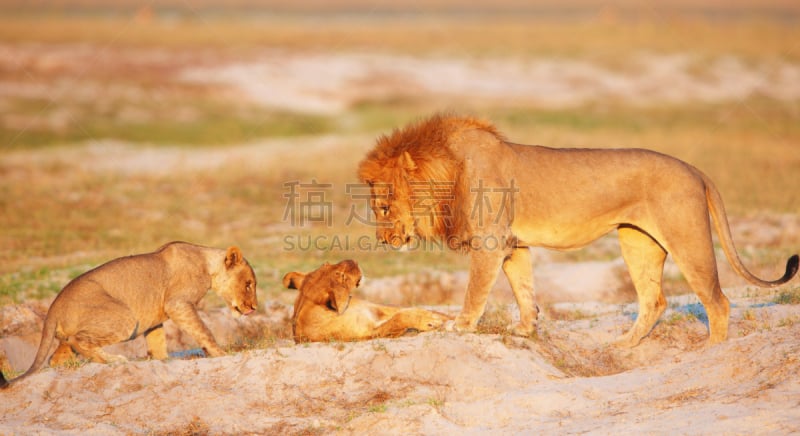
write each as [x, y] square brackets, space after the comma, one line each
[720, 218]
[45, 345]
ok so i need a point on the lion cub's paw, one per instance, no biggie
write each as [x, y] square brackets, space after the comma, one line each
[117, 359]
[436, 321]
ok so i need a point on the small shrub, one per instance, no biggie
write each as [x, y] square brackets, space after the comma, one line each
[787, 322]
[435, 402]
[788, 297]
[378, 408]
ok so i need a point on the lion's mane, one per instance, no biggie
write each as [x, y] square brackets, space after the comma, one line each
[420, 154]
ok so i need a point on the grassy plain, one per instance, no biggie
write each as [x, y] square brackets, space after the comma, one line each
[60, 217]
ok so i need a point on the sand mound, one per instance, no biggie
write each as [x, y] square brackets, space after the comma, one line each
[567, 380]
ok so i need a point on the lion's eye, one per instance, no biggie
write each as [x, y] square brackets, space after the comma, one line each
[385, 210]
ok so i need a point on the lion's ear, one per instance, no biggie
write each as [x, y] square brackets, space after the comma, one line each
[233, 257]
[293, 280]
[407, 162]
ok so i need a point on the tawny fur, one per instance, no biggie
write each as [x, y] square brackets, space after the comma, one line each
[325, 309]
[504, 198]
[134, 295]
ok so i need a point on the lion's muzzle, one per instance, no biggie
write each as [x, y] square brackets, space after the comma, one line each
[396, 237]
[244, 309]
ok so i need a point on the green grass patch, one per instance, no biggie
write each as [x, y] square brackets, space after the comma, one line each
[755, 115]
[210, 122]
[35, 283]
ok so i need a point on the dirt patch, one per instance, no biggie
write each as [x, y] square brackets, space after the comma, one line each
[568, 378]
[294, 81]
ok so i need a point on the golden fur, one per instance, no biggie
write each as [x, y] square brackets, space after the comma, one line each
[134, 295]
[504, 198]
[325, 310]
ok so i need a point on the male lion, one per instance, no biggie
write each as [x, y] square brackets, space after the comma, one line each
[134, 295]
[457, 179]
[325, 310]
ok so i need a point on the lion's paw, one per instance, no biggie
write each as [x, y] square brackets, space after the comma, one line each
[522, 330]
[626, 341]
[464, 326]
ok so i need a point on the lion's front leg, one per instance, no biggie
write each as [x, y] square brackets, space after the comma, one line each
[484, 265]
[185, 316]
[518, 269]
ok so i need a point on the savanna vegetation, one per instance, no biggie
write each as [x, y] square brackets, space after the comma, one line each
[84, 95]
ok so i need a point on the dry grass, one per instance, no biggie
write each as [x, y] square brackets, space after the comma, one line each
[600, 37]
[59, 219]
[195, 427]
[495, 320]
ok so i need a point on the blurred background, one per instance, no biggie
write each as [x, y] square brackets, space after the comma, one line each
[124, 126]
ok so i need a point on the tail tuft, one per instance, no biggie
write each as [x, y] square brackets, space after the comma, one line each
[791, 268]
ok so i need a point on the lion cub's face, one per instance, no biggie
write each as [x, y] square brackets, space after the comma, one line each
[329, 285]
[236, 283]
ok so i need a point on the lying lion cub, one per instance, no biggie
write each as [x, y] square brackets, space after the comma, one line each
[134, 295]
[325, 310]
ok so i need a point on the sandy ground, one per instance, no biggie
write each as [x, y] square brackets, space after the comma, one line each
[330, 83]
[569, 379]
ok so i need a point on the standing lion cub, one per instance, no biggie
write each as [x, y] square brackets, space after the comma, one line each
[134, 295]
[325, 310]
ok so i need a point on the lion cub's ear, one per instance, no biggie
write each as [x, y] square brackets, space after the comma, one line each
[407, 162]
[293, 280]
[233, 257]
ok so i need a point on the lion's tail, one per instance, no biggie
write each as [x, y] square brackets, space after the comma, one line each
[48, 337]
[720, 218]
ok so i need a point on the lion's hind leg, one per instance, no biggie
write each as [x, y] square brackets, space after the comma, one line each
[698, 264]
[404, 320]
[89, 347]
[108, 323]
[688, 241]
[645, 259]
